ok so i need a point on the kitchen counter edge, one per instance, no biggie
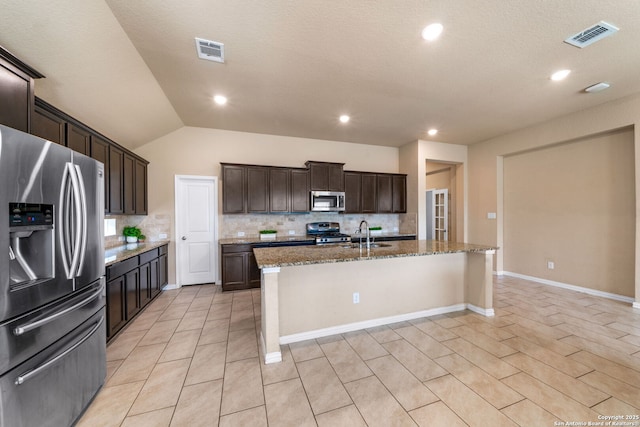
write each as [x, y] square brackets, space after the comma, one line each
[121, 253]
[287, 257]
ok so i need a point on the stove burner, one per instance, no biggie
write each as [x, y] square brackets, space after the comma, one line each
[327, 232]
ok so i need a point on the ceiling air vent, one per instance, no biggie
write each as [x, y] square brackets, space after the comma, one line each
[592, 34]
[210, 50]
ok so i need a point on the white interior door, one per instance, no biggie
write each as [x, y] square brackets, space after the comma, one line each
[196, 229]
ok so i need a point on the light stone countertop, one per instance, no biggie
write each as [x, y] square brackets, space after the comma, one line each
[126, 251]
[256, 239]
[306, 255]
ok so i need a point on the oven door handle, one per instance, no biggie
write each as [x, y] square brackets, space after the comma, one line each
[32, 373]
[22, 329]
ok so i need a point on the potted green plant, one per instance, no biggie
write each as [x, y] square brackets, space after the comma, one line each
[268, 234]
[375, 230]
[131, 233]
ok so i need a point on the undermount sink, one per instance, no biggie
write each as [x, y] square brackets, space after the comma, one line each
[364, 245]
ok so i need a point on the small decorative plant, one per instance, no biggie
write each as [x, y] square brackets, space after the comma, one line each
[267, 234]
[375, 230]
[132, 233]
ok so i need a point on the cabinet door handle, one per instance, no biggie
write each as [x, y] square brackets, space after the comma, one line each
[184, 237]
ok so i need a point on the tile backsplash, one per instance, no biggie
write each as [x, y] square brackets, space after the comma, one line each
[151, 226]
[251, 224]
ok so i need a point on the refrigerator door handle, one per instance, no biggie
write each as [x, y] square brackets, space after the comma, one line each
[78, 223]
[22, 329]
[82, 195]
[63, 229]
[32, 373]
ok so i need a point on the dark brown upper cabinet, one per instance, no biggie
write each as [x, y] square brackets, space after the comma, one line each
[273, 189]
[353, 192]
[299, 190]
[384, 193]
[279, 190]
[129, 187]
[16, 92]
[369, 193]
[399, 193]
[48, 124]
[141, 187]
[100, 152]
[116, 177]
[78, 139]
[326, 176]
[257, 189]
[233, 189]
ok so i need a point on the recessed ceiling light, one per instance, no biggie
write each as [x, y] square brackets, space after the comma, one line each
[344, 118]
[220, 100]
[432, 31]
[432, 132]
[598, 87]
[560, 75]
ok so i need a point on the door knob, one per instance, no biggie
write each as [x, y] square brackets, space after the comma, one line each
[184, 237]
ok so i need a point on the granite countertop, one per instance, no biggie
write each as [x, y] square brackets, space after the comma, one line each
[306, 255]
[256, 239]
[123, 252]
[374, 235]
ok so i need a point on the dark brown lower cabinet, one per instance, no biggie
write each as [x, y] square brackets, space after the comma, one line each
[132, 284]
[116, 315]
[145, 284]
[239, 268]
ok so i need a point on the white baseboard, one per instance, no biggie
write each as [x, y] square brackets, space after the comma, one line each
[499, 273]
[273, 357]
[589, 291]
[487, 312]
[636, 304]
[350, 327]
[170, 286]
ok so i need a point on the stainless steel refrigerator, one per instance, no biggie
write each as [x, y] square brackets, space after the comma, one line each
[52, 315]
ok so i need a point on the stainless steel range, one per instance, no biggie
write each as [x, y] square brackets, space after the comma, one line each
[327, 233]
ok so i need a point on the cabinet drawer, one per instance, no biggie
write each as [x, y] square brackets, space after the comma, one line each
[121, 267]
[148, 256]
[227, 249]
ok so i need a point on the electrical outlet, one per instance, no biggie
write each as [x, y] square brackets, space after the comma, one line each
[292, 232]
[356, 297]
[240, 233]
[162, 235]
[551, 265]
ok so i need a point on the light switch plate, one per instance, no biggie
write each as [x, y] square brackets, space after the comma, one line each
[491, 215]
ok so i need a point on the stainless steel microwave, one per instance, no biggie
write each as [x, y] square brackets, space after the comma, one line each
[327, 201]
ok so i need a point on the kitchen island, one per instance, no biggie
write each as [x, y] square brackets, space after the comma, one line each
[315, 291]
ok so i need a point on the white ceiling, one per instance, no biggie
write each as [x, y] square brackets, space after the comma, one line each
[130, 69]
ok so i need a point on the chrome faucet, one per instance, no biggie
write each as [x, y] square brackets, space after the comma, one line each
[368, 235]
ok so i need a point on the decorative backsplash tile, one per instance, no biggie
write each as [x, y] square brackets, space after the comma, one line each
[251, 224]
[151, 226]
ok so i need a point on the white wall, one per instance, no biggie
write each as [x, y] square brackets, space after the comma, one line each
[413, 161]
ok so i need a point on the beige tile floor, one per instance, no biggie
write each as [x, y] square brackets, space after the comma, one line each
[549, 355]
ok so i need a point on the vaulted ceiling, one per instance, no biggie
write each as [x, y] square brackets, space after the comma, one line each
[130, 68]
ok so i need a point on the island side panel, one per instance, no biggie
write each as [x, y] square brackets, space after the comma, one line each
[479, 282]
[270, 332]
[319, 296]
